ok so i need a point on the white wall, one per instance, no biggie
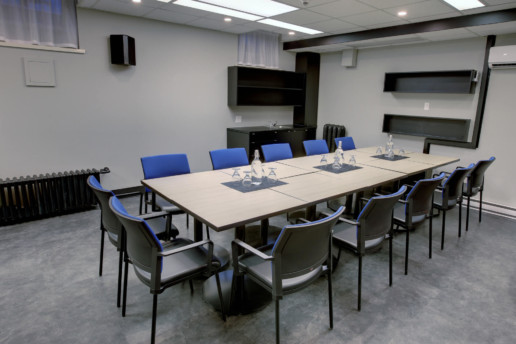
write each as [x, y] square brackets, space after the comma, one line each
[355, 98]
[174, 100]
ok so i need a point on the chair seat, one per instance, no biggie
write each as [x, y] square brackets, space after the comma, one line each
[262, 271]
[346, 235]
[474, 190]
[438, 201]
[400, 217]
[167, 206]
[177, 266]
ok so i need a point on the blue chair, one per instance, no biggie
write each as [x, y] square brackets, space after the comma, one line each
[314, 147]
[276, 151]
[229, 157]
[368, 232]
[161, 265]
[298, 257]
[475, 184]
[166, 165]
[347, 142]
[449, 195]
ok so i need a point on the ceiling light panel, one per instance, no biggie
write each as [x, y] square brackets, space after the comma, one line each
[216, 9]
[264, 8]
[288, 26]
[465, 4]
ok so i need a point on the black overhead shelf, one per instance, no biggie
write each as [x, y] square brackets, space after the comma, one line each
[453, 81]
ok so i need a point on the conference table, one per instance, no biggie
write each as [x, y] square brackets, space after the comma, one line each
[214, 198]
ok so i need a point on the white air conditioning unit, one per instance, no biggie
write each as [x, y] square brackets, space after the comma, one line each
[502, 57]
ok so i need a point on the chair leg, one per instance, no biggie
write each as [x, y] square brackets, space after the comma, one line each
[126, 272]
[430, 237]
[102, 233]
[330, 293]
[277, 322]
[480, 205]
[191, 286]
[406, 251]
[154, 311]
[442, 231]
[390, 259]
[467, 213]
[141, 203]
[219, 290]
[119, 288]
[359, 282]
[460, 218]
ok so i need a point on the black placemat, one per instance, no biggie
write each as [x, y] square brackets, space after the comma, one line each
[344, 168]
[237, 185]
[394, 158]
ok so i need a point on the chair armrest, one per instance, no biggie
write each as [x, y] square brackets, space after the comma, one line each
[184, 248]
[153, 215]
[251, 249]
[302, 220]
[343, 219]
[402, 201]
[437, 174]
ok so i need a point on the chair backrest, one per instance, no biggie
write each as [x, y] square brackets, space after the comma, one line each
[420, 196]
[347, 142]
[452, 186]
[140, 239]
[313, 147]
[276, 151]
[375, 220]
[303, 248]
[109, 220]
[229, 157]
[330, 132]
[165, 165]
[476, 177]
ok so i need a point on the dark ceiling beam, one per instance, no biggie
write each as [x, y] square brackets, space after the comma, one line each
[407, 29]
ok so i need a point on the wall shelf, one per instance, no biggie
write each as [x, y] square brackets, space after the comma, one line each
[265, 87]
[453, 81]
[433, 127]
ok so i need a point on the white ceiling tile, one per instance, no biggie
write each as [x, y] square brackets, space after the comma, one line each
[434, 17]
[342, 8]
[333, 25]
[301, 17]
[311, 3]
[372, 18]
[490, 8]
[424, 9]
[86, 3]
[388, 3]
[499, 2]
[123, 8]
[209, 23]
[169, 16]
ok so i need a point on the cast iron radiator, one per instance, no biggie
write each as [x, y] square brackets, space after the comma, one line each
[330, 132]
[30, 198]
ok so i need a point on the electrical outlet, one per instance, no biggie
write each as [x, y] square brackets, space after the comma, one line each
[427, 106]
[238, 119]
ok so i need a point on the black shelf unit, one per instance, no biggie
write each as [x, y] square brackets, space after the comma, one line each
[452, 81]
[454, 129]
[249, 86]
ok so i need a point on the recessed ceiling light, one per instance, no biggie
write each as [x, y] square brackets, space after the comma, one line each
[402, 13]
[289, 26]
[167, 1]
[264, 8]
[227, 19]
[216, 9]
[137, 1]
[291, 33]
[465, 4]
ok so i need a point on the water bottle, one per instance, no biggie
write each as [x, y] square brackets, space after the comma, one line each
[389, 148]
[338, 159]
[256, 169]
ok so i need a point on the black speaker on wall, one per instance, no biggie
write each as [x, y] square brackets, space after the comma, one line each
[122, 50]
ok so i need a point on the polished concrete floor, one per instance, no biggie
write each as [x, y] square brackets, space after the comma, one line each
[51, 292]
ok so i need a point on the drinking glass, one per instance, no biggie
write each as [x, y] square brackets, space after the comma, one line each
[247, 181]
[236, 175]
[401, 152]
[337, 165]
[272, 177]
[379, 150]
[324, 161]
[352, 161]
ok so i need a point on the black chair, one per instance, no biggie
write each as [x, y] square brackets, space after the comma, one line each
[368, 232]
[162, 265]
[417, 206]
[109, 224]
[299, 256]
[449, 195]
[475, 184]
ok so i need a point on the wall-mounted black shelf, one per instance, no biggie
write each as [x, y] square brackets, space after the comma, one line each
[453, 81]
[265, 87]
[433, 127]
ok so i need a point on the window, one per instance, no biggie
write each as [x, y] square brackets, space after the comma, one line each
[39, 22]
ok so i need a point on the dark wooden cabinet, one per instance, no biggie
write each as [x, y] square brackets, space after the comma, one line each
[266, 87]
[453, 81]
[252, 138]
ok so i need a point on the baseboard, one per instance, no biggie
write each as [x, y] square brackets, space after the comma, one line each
[493, 208]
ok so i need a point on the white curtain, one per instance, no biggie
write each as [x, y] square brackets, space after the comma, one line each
[40, 22]
[259, 48]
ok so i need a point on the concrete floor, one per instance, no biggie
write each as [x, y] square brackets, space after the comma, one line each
[51, 292]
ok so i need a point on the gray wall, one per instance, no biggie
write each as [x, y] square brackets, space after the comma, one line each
[355, 98]
[174, 100]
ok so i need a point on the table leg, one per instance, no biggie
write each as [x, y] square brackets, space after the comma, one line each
[197, 230]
